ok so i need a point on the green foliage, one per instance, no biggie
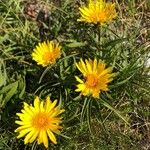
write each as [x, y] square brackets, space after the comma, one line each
[120, 119]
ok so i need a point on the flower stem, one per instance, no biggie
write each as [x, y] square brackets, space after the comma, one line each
[99, 36]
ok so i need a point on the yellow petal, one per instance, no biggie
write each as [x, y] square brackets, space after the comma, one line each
[52, 105]
[108, 70]
[28, 110]
[78, 79]
[89, 67]
[42, 107]
[21, 122]
[47, 104]
[34, 136]
[95, 66]
[45, 139]
[40, 137]
[83, 67]
[80, 87]
[52, 136]
[37, 104]
[29, 136]
[24, 132]
[57, 112]
[22, 128]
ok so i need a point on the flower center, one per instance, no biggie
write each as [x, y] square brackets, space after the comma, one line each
[48, 57]
[91, 80]
[101, 16]
[40, 120]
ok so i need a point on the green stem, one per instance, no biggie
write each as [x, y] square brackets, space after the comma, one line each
[89, 105]
[99, 36]
[100, 119]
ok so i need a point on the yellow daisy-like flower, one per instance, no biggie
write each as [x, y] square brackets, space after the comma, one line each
[39, 122]
[46, 53]
[96, 77]
[98, 11]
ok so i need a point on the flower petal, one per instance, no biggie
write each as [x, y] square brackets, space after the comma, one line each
[52, 136]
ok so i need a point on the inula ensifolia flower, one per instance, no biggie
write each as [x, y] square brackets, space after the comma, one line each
[96, 77]
[39, 122]
[98, 11]
[46, 53]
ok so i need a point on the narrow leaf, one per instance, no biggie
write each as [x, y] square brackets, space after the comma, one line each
[10, 94]
[114, 110]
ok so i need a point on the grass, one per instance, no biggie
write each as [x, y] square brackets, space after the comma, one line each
[120, 120]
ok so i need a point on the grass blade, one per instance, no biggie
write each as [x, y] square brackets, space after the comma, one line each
[114, 110]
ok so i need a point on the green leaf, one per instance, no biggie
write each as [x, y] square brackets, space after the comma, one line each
[114, 42]
[89, 105]
[44, 73]
[84, 109]
[3, 75]
[7, 88]
[122, 82]
[76, 44]
[114, 110]
[11, 92]
[22, 87]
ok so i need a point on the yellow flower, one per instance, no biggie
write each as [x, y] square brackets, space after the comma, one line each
[38, 122]
[98, 11]
[96, 77]
[46, 53]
